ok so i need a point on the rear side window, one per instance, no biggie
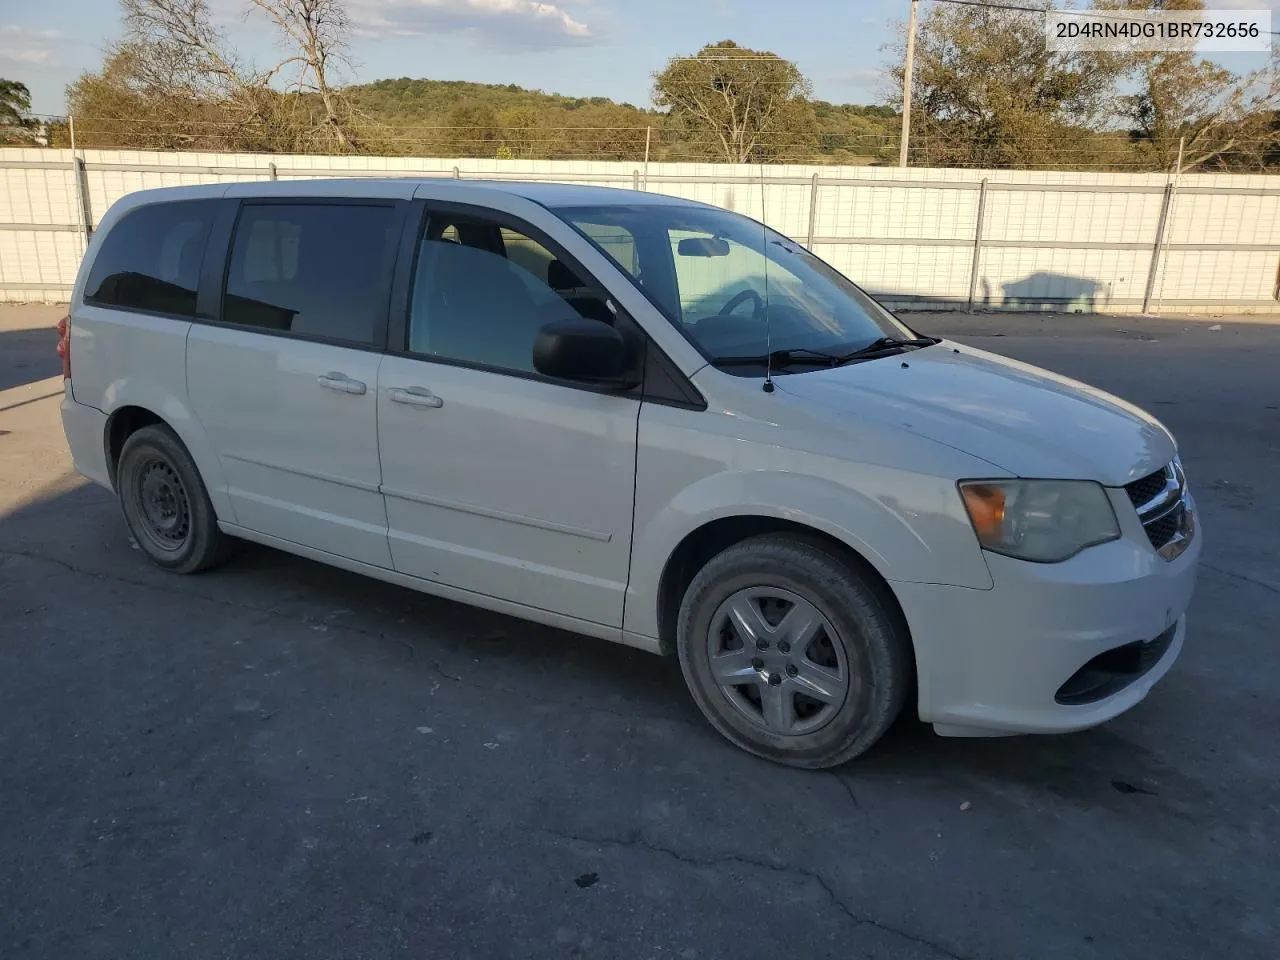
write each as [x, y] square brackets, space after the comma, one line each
[150, 260]
[315, 269]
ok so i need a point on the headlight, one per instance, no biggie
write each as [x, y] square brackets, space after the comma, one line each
[1040, 520]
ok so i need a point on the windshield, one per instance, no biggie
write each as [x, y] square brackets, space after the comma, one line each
[735, 287]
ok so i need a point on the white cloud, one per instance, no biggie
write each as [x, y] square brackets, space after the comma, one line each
[506, 24]
[28, 45]
[42, 57]
[14, 30]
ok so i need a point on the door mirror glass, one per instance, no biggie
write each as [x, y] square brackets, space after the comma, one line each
[587, 351]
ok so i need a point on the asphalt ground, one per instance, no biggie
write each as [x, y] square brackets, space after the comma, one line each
[279, 759]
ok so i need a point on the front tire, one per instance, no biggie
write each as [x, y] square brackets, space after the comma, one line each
[791, 653]
[165, 503]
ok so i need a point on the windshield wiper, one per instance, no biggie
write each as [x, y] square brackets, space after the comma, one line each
[780, 358]
[884, 345]
[785, 358]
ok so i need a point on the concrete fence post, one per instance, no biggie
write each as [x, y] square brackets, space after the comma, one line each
[813, 211]
[84, 217]
[271, 170]
[1155, 248]
[977, 241]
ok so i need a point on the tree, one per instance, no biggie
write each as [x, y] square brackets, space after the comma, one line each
[471, 130]
[987, 92]
[174, 82]
[741, 105]
[1223, 120]
[855, 134]
[520, 134]
[16, 126]
[317, 31]
[600, 131]
[177, 48]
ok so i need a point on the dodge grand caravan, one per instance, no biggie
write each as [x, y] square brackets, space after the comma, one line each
[639, 418]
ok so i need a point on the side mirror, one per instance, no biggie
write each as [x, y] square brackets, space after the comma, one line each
[587, 351]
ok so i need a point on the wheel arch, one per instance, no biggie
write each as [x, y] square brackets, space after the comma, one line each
[715, 536]
[702, 544]
[131, 414]
[122, 423]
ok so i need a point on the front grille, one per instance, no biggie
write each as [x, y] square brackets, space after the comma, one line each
[1161, 531]
[1109, 673]
[1160, 499]
[1140, 491]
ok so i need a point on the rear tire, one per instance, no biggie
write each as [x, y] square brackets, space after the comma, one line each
[792, 653]
[165, 503]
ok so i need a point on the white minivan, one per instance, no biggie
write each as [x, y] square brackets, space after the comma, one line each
[640, 418]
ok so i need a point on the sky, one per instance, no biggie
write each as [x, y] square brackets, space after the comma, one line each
[577, 47]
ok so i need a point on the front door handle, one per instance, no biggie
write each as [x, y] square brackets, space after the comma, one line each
[333, 380]
[415, 397]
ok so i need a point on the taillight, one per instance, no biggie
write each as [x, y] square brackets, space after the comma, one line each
[64, 346]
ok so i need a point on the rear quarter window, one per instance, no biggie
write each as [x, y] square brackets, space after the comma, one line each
[150, 260]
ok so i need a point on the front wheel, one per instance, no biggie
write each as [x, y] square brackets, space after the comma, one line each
[791, 653]
[165, 503]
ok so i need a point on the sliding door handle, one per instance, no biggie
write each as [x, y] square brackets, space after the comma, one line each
[415, 397]
[334, 380]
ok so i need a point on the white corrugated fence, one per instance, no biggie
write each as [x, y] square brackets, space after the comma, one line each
[922, 238]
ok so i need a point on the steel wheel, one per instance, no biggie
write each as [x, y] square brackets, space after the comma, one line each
[165, 502]
[163, 505]
[776, 659]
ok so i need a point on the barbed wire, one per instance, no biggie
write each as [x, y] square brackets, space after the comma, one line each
[1098, 150]
[657, 130]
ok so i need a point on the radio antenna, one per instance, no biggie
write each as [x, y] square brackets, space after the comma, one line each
[768, 326]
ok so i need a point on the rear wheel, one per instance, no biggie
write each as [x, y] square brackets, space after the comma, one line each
[791, 653]
[165, 503]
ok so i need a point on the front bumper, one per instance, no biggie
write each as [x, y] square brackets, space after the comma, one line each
[994, 662]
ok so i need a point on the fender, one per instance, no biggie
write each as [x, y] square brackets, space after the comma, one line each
[171, 406]
[933, 547]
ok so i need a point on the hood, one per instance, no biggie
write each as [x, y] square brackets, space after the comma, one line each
[1028, 421]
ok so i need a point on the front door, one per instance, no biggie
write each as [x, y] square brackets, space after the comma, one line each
[496, 480]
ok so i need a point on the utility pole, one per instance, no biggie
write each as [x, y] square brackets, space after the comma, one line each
[906, 85]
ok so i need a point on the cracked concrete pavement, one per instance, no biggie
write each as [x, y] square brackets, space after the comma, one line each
[281, 759]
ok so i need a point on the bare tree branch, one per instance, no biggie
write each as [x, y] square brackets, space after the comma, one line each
[318, 29]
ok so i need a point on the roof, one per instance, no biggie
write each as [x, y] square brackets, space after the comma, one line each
[574, 194]
[546, 194]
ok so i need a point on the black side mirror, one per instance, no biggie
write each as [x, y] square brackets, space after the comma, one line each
[584, 350]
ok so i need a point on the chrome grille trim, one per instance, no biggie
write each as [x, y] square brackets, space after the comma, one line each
[1166, 498]
[1169, 539]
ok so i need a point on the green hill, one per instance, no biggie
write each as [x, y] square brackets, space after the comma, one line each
[483, 120]
[459, 118]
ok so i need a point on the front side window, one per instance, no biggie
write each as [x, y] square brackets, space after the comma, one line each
[615, 240]
[314, 269]
[150, 260]
[737, 288]
[482, 291]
